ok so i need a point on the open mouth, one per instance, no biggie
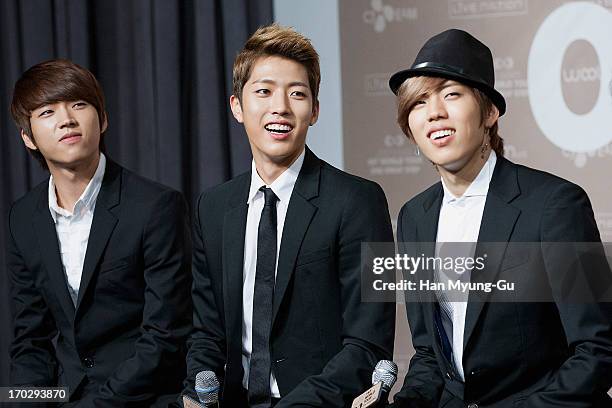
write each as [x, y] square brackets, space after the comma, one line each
[279, 128]
[441, 134]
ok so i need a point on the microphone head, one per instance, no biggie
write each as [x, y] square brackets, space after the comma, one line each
[385, 372]
[207, 387]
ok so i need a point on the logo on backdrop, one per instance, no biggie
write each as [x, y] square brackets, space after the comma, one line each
[580, 77]
[608, 4]
[486, 8]
[377, 84]
[396, 156]
[380, 14]
[503, 63]
[510, 80]
[514, 153]
[571, 97]
[581, 159]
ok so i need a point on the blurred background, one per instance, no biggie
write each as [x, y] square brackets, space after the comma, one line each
[165, 67]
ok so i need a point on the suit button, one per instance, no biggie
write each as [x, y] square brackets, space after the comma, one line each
[88, 362]
[472, 406]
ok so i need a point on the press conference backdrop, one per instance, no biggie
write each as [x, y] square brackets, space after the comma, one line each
[553, 64]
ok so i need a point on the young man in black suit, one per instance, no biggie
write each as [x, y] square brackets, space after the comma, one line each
[484, 350]
[98, 257]
[278, 314]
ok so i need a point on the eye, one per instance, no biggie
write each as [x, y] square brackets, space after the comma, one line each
[298, 94]
[418, 103]
[452, 94]
[79, 104]
[262, 91]
[46, 112]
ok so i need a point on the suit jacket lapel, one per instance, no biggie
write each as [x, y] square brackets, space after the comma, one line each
[102, 225]
[427, 225]
[299, 215]
[427, 230]
[50, 253]
[234, 229]
[498, 220]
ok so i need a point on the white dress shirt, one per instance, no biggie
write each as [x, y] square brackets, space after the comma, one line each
[283, 188]
[73, 227]
[459, 221]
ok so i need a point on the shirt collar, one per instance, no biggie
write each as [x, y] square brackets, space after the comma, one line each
[480, 186]
[282, 186]
[86, 200]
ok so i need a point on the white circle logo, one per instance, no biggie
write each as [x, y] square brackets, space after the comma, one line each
[570, 131]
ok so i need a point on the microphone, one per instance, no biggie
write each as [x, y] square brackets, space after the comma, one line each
[385, 373]
[207, 387]
[383, 379]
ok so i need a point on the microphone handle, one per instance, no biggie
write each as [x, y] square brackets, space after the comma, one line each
[383, 400]
[189, 402]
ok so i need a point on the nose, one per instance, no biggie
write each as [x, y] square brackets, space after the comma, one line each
[435, 108]
[65, 117]
[279, 104]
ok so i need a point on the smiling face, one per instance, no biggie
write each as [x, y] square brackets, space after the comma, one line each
[67, 133]
[446, 123]
[276, 108]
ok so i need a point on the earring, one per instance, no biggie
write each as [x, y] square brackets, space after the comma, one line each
[417, 151]
[483, 150]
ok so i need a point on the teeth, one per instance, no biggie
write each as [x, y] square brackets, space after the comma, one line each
[277, 127]
[441, 133]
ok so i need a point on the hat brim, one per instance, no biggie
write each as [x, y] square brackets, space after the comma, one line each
[398, 79]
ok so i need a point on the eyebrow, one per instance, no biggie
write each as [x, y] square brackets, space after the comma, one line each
[440, 88]
[448, 83]
[273, 82]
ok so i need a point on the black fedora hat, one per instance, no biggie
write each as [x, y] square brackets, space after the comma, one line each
[457, 55]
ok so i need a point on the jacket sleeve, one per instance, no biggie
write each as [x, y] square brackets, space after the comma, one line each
[167, 310]
[207, 343]
[367, 327]
[567, 225]
[33, 361]
[423, 383]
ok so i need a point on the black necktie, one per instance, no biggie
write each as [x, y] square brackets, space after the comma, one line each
[260, 366]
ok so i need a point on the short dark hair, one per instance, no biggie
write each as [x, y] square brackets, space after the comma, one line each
[276, 40]
[54, 81]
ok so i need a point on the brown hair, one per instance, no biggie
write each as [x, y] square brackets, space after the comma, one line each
[413, 89]
[54, 81]
[276, 40]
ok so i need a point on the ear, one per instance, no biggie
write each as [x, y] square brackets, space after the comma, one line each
[492, 116]
[236, 108]
[28, 141]
[104, 123]
[315, 113]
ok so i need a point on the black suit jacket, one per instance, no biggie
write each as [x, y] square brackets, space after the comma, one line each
[325, 342]
[125, 340]
[548, 354]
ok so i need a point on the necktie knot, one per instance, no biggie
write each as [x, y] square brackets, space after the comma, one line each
[269, 196]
